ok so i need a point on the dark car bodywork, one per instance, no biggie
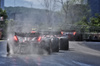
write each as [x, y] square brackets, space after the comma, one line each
[58, 41]
[54, 41]
[33, 42]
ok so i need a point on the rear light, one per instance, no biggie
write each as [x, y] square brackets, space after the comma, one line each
[33, 31]
[74, 33]
[62, 32]
[39, 38]
[15, 38]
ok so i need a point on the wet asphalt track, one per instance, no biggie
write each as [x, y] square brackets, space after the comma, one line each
[80, 54]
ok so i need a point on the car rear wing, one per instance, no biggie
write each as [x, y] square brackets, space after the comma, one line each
[27, 34]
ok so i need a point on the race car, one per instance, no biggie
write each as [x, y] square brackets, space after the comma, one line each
[63, 40]
[28, 42]
[54, 40]
[58, 40]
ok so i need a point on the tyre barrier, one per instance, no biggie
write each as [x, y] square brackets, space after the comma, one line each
[3, 48]
[64, 44]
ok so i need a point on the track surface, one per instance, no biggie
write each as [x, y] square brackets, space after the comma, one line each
[79, 54]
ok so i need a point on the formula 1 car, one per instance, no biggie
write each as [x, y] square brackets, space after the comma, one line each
[63, 40]
[58, 40]
[28, 42]
[54, 40]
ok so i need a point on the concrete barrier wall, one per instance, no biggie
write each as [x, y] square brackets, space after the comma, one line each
[3, 47]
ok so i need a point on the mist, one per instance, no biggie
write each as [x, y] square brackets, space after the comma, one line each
[25, 19]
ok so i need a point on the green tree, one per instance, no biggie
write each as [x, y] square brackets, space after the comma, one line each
[3, 22]
[74, 11]
[92, 26]
[83, 25]
[95, 23]
[3, 14]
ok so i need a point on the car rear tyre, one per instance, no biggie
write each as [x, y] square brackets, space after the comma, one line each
[8, 50]
[57, 49]
[55, 45]
[64, 44]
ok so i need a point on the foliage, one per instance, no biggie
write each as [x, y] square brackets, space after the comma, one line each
[75, 12]
[95, 23]
[83, 22]
[3, 14]
[92, 26]
[83, 25]
[3, 23]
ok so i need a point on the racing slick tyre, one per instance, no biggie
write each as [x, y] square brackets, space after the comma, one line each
[55, 45]
[64, 44]
[8, 50]
[49, 50]
[57, 49]
[44, 47]
[41, 48]
[57, 42]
